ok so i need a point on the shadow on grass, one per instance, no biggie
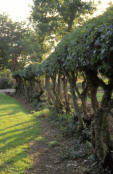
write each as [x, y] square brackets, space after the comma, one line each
[18, 138]
[11, 110]
[14, 126]
[18, 129]
[12, 164]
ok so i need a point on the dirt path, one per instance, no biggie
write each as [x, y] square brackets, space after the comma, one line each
[45, 154]
[46, 157]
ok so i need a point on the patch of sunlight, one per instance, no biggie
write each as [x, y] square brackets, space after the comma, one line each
[43, 113]
[53, 143]
[39, 138]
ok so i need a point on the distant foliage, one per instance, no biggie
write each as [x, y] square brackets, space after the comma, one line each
[19, 45]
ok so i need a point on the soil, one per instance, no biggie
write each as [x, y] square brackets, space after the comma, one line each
[46, 157]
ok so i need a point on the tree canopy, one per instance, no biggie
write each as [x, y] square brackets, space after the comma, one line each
[19, 45]
[11, 42]
[89, 46]
[53, 19]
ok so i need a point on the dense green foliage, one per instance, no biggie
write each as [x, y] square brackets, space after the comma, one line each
[11, 42]
[89, 46]
[19, 45]
[53, 19]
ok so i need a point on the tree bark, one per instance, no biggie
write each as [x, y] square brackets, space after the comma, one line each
[65, 88]
[74, 97]
[94, 101]
[58, 99]
[103, 143]
[84, 101]
[60, 94]
[50, 96]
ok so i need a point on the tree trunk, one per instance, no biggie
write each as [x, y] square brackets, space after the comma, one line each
[84, 102]
[74, 97]
[25, 89]
[38, 91]
[58, 99]
[94, 101]
[50, 96]
[60, 94]
[102, 134]
[65, 88]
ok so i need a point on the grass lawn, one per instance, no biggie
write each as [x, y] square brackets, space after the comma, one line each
[99, 96]
[17, 129]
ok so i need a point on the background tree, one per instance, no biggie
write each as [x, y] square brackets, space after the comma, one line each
[11, 42]
[53, 19]
[33, 49]
[19, 45]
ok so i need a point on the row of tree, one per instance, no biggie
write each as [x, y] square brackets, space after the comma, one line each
[84, 53]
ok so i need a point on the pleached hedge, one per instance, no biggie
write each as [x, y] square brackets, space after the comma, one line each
[86, 54]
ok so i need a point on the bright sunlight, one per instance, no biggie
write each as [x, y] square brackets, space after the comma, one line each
[20, 10]
[102, 6]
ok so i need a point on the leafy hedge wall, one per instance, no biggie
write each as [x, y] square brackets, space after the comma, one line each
[86, 52]
[90, 45]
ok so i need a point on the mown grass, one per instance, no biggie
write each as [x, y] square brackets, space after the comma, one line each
[45, 113]
[17, 130]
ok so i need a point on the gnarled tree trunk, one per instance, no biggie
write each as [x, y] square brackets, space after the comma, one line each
[66, 98]
[50, 96]
[75, 103]
[102, 134]
[56, 92]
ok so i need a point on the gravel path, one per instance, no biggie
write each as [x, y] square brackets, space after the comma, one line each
[3, 91]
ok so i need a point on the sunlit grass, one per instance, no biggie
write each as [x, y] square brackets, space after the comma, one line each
[17, 130]
[43, 113]
[99, 97]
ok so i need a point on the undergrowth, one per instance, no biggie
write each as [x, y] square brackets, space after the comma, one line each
[80, 145]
